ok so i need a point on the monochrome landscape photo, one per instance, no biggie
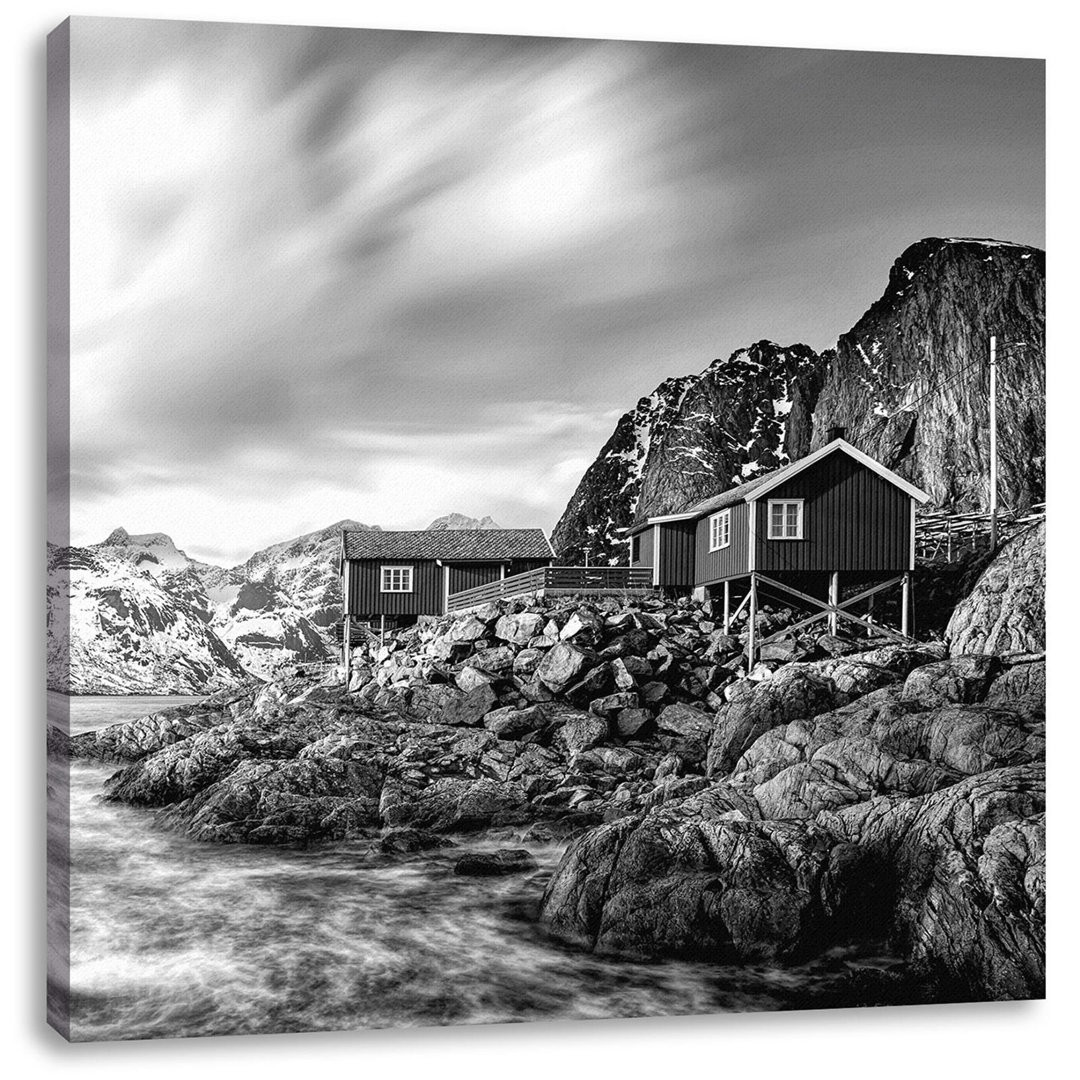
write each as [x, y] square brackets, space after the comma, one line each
[539, 529]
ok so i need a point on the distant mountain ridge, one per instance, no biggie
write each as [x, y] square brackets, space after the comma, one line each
[908, 382]
[147, 618]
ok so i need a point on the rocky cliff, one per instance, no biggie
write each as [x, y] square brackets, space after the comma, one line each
[909, 382]
[1006, 610]
[691, 437]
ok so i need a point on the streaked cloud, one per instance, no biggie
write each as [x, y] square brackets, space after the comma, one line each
[384, 275]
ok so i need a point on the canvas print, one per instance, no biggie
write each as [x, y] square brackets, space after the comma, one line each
[539, 529]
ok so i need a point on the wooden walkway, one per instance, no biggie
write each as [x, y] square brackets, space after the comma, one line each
[555, 580]
[941, 535]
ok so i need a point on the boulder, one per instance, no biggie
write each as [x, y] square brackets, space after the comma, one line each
[616, 760]
[519, 629]
[581, 622]
[793, 693]
[405, 841]
[966, 868]
[470, 708]
[495, 863]
[527, 661]
[699, 878]
[428, 702]
[495, 662]
[469, 628]
[514, 723]
[958, 679]
[835, 645]
[631, 723]
[1006, 610]
[613, 703]
[597, 683]
[279, 802]
[682, 719]
[581, 731]
[562, 665]
[454, 803]
[654, 693]
[630, 644]
[470, 678]
[1022, 678]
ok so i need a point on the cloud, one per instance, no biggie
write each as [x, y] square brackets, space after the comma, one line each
[368, 273]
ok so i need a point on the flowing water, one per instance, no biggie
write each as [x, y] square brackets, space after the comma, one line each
[175, 938]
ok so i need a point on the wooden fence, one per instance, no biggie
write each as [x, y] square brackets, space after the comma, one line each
[557, 579]
[940, 535]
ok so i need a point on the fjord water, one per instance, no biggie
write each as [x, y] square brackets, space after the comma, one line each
[175, 938]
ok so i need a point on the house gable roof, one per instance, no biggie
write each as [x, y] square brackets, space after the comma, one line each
[465, 544]
[761, 485]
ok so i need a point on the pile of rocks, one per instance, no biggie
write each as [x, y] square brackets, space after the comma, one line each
[652, 669]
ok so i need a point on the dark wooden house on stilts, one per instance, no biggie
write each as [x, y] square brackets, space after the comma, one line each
[834, 519]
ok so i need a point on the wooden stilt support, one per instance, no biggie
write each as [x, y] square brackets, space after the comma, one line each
[870, 614]
[346, 646]
[727, 607]
[751, 641]
[905, 605]
[834, 599]
[382, 630]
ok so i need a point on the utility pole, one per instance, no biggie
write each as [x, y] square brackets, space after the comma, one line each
[993, 445]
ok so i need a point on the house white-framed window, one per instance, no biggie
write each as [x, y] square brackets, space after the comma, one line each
[785, 519]
[396, 578]
[720, 530]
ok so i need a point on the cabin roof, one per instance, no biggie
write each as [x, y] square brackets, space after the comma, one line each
[760, 485]
[465, 544]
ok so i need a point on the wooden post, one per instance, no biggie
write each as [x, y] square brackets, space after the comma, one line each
[993, 445]
[948, 539]
[727, 607]
[751, 641]
[382, 630]
[346, 640]
[905, 605]
[870, 613]
[834, 599]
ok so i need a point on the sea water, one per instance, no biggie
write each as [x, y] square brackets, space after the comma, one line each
[171, 937]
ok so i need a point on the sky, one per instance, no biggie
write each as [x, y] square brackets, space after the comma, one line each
[321, 273]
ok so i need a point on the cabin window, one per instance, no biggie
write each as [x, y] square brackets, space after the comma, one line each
[635, 548]
[397, 578]
[720, 530]
[785, 519]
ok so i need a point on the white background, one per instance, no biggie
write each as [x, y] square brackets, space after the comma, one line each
[1005, 1040]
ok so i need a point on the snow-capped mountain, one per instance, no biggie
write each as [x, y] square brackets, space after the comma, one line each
[463, 521]
[115, 627]
[908, 382]
[305, 570]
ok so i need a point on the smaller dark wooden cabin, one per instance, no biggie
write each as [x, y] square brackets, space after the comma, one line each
[392, 578]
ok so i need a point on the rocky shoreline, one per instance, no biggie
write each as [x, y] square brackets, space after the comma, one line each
[834, 794]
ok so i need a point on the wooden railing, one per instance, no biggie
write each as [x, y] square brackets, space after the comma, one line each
[940, 535]
[557, 579]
